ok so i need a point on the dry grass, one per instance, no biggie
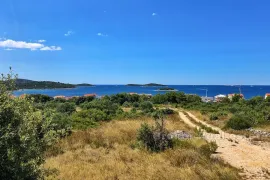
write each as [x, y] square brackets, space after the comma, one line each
[105, 153]
[221, 122]
[264, 127]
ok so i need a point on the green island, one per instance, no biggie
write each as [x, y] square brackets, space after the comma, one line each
[29, 84]
[146, 85]
[102, 136]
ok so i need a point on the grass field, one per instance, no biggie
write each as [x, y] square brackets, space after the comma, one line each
[107, 152]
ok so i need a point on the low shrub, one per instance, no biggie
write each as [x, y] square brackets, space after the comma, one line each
[238, 123]
[208, 149]
[213, 117]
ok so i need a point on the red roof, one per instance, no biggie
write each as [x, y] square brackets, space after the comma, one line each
[267, 94]
[235, 94]
[90, 95]
[61, 97]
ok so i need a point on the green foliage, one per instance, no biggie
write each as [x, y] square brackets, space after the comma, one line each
[146, 136]
[82, 99]
[213, 116]
[83, 120]
[28, 84]
[156, 138]
[236, 98]
[255, 101]
[127, 104]
[24, 135]
[66, 107]
[61, 123]
[39, 98]
[105, 105]
[167, 111]
[146, 107]
[238, 123]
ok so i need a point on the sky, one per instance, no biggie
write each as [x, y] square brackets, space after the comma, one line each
[137, 41]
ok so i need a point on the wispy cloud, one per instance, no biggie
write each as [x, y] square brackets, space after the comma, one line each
[154, 14]
[103, 35]
[11, 44]
[41, 41]
[69, 33]
[51, 48]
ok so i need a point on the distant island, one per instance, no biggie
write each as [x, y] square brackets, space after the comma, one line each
[146, 85]
[166, 89]
[84, 84]
[29, 84]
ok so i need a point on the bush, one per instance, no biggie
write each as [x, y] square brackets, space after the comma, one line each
[136, 105]
[213, 117]
[238, 123]
[155, 139]
[39, 98]
[167, 111]
[146, 107]
[127, 104]
[208, 149]
[83, 120]
[146, 137]
[66, 107]
[24, 135]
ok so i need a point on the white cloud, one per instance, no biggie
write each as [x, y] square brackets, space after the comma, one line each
[69, 33]
[51, 48]
[41, 41]
[20, 44]
[101, 34]
[154, 14]
[11, 44]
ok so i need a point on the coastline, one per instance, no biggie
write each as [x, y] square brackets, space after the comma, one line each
[175, 90]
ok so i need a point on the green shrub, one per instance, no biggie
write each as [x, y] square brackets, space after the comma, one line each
[213, 117]
[84, 120]
[238, 123]
[24, 135]
[167, 111]
[146, 137]
[127, 104]
[66, 107]
[146, 107]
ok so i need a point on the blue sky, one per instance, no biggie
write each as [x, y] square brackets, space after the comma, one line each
[137, 41]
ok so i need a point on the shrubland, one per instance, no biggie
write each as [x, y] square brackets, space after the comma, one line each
[114, 137]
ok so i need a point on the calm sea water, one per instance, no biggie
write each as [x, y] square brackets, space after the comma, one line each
[100, 90]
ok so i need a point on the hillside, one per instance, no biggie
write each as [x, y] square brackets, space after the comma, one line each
[29, 84]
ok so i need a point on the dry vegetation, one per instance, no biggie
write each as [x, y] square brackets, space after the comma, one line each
[107, 152]
[221, 122]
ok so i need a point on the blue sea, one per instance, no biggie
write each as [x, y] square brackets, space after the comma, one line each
[101, 90]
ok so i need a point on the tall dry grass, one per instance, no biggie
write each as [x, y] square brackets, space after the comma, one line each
[105, 153]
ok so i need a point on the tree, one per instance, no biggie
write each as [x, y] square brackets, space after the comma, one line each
[24, 135]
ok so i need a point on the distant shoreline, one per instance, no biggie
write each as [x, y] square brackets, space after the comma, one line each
[174, 90]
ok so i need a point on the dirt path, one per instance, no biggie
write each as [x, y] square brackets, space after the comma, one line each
[238, 151]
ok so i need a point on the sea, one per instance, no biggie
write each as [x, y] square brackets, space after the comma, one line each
[101, 90]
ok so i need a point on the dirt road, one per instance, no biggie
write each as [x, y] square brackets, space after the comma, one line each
[238, 151]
